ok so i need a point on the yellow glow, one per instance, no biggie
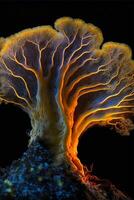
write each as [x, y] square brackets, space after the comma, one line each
[86, 85]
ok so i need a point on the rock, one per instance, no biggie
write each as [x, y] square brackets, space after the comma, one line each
[34, 176]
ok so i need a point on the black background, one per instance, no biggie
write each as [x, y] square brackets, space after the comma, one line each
[111, 155]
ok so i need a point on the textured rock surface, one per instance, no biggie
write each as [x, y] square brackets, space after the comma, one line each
[34, 176]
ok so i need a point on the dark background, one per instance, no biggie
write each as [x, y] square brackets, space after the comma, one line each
[111, 155]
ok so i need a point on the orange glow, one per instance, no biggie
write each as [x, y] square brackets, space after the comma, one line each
[67, 83]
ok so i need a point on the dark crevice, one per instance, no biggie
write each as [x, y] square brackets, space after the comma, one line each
[14, 128]
[110, 154]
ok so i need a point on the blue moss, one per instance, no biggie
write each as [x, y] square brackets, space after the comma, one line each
[34, 176]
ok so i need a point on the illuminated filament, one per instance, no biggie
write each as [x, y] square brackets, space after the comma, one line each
[66, 83]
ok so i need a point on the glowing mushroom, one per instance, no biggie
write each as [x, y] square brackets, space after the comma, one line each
[67, 83]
